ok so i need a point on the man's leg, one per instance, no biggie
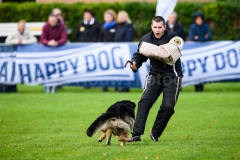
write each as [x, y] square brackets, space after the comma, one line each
[151, 92]
[171, 88]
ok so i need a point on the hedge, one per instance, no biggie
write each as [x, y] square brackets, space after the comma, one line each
[222, 17]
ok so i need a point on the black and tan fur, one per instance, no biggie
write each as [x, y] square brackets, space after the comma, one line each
[118, 121]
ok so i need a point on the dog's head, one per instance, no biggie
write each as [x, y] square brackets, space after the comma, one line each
[129, 104]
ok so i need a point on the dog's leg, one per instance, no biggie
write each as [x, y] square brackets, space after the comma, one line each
[102, 137]
[109, 136]
[124, 138]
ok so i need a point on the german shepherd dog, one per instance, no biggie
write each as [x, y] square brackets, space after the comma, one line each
[118, 120]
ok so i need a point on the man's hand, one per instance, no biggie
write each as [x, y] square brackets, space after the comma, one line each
[133, 66]
[20, 41]
[206, 36]
[52, 43]
[195, 37]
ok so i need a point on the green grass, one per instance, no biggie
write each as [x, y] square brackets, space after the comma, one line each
[35, 125]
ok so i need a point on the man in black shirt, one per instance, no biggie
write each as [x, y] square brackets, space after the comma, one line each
[173, 25]
[162, 78]
[89, 29]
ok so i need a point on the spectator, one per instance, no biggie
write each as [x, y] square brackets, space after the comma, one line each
[125, 29]
[108, 29]
[21, 35]
[173, 25]
[54, 32]
[89, 29]
[200, 32]
[57, 12]
[124, 33]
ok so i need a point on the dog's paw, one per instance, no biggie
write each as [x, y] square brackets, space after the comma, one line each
[122, 143]
[100, 140]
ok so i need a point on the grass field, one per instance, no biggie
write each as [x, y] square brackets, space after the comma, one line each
[35, 125]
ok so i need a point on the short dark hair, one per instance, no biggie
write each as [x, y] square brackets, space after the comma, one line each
[88, 11]
[158, 19]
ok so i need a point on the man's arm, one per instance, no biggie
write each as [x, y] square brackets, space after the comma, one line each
[138, 59]
[63, 38]
[43, 37]
[31, 39]
[182, 33]
[207, 36]
[11, 40]
[191, 33]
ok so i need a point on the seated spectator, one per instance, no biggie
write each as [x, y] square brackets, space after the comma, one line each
[57, 12]
[173, 25]
[124, 33]
[200, 32]
[88, 29]
[125, 29]
[21, 35]
[108, 30]
[53, 32]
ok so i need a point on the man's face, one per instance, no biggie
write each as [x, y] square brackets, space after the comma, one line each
[199, 20]
[52, 21]
[87, 16]
[171, 19]
[21, 27]
[57, 12]
[158, 29]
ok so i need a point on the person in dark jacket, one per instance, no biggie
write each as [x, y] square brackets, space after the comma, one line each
[162, 78]
[53, 32]
[173, 25]
[109, 28]
[124, 33]
[125, 29]
[199, 32]
[89, 29]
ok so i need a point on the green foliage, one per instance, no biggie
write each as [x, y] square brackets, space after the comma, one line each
[35, 125]
[222, 17]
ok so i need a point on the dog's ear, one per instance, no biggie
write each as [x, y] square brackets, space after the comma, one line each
[133, 104]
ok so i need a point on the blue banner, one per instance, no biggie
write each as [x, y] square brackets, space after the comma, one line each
[102, 64]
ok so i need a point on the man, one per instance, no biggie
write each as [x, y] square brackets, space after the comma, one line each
[21, 36]
[57, 12]
[173, 26]
[162, 78]
[199, 32]
[89, 29]
[54, 32]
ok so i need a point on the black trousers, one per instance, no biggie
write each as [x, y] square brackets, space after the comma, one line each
[199, 88]
[154, 86]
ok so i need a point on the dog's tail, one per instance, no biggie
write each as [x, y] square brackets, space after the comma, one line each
[96, 125]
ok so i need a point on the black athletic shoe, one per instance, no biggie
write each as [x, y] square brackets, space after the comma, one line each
[135, 137]
[154, 138]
